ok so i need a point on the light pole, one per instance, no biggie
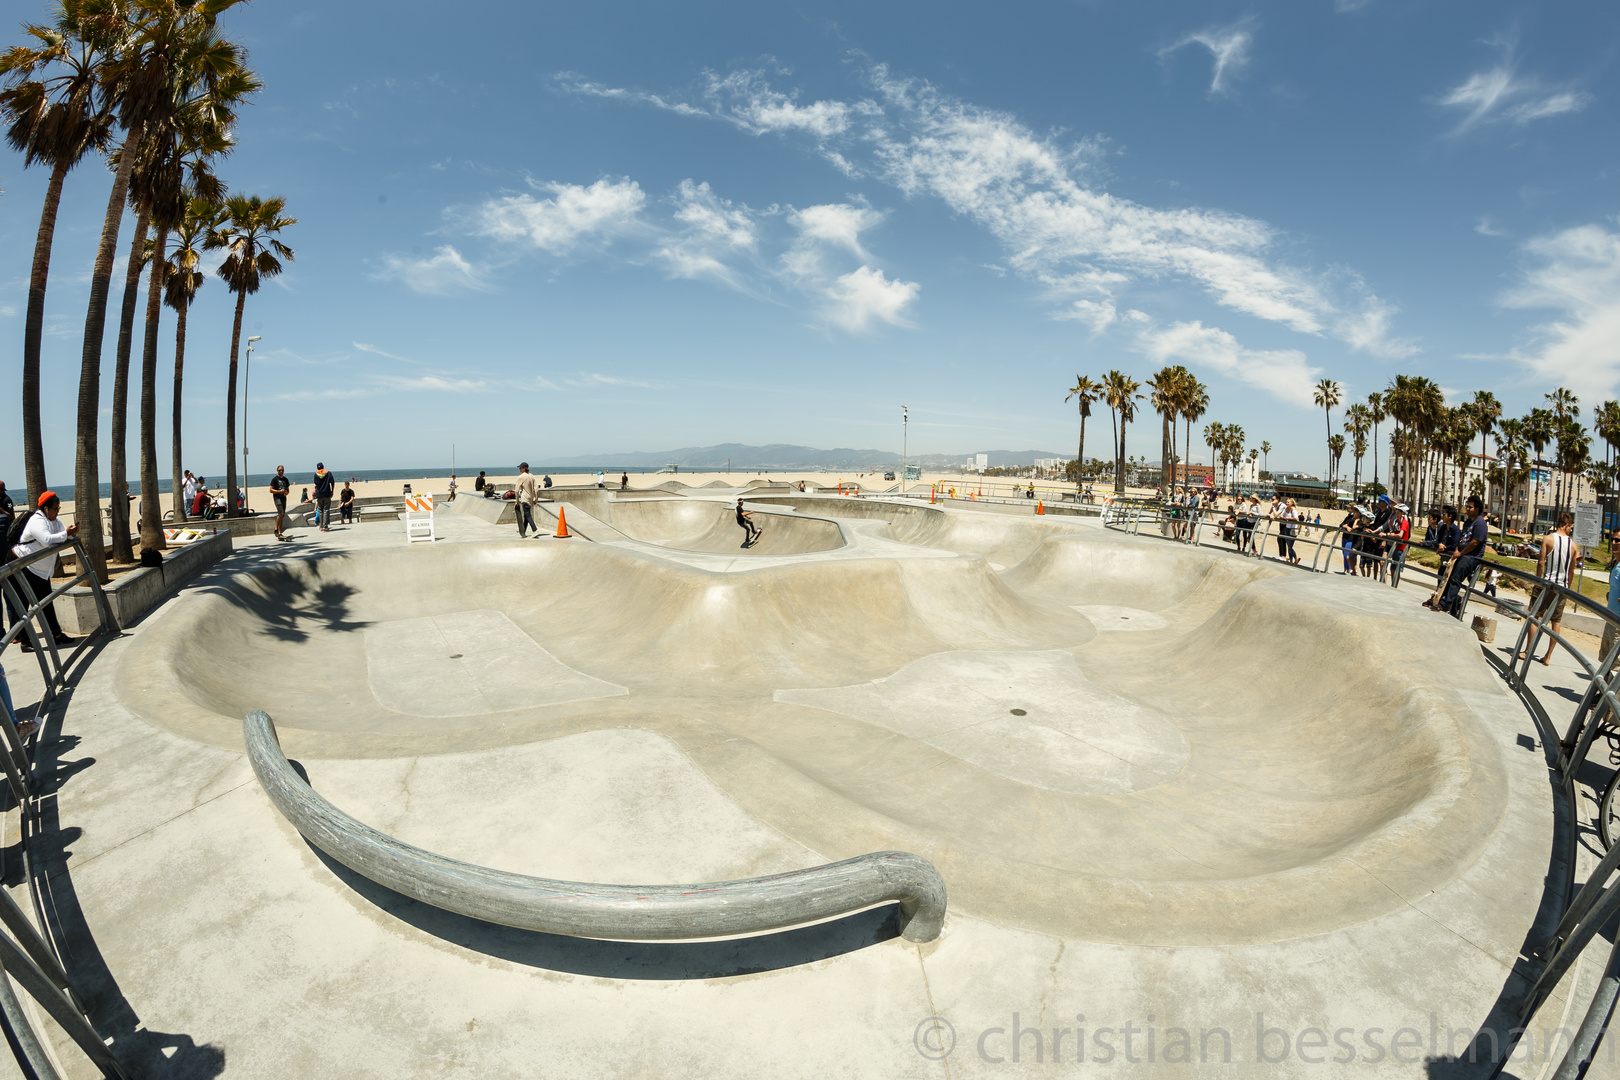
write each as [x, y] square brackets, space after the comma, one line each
[247, 368]
[905, 448]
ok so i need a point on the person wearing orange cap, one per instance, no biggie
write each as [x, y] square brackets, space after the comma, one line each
[43, 531]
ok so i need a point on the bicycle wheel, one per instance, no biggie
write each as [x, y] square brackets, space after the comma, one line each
[1607, 825]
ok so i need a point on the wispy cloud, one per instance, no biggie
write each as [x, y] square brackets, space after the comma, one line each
[1286, 373]
[1501, 94]
[1097, 314]
[1486, 228]
[711, 232]
[1228, 48]
[442, 273]
[573, 215]
[590, 379]
[1575, 272]
[445, 384]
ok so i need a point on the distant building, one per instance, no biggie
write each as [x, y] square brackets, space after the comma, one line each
[1198, 475]
[981, 461]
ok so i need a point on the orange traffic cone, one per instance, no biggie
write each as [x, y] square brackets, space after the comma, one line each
[1039, 509]
[562, 525]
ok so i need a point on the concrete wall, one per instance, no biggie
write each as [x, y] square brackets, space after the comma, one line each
[139, 591]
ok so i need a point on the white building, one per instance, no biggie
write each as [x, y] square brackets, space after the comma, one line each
[981, 461]
[1448, 486]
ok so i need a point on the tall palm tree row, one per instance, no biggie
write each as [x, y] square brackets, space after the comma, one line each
[249, 233]
[148, 69]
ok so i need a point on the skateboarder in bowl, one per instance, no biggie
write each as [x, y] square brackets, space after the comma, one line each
[745, 519]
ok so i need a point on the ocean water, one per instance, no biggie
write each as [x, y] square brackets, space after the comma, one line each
[464, 477]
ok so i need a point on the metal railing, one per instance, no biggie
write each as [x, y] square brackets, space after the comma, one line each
[27, 955]
[1585, 912]
[580, 909]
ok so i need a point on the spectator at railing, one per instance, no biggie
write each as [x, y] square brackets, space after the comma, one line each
[1559, 557]
[43, 532]
[1469, 553]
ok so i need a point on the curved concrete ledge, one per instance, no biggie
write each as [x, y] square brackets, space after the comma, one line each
[579, 909]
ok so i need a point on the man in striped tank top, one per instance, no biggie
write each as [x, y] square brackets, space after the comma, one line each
[1560, 555]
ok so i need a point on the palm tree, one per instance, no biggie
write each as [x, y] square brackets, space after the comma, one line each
[1194, 403]
[1356, 423]
[1215, 436]
[1486, 412]
[118, 505]
[1376, 414]
[1121, 393]
[1265, 452]
[1084, 391]
[1335, 452]
[249, 233]
[1563, 406]
[178, 151]
[1538, 432]
[1328, 394]
[1510, 448]
[1574, 454]
[1169, 386]
[55, 120]
[181, 280]
[157, 39]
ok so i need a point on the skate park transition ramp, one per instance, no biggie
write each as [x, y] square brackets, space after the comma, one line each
[1109, 738]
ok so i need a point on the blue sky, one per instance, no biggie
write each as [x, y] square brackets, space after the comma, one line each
[541, 231]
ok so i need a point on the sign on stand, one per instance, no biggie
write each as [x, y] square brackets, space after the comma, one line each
[419, 518]
[1588, 525]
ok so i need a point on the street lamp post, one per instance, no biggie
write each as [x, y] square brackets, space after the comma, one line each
[905, 446]
[247, 368]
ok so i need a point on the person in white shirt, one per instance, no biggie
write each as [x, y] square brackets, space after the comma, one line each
[43, 531]
[190, 491]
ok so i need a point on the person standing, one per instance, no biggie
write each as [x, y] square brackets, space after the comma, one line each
[43, 531]
[346, 504]
[325, 484]
[452, 497]
[601, 481]
[280, 488]
[190, 490]
[624, 481]
[527, 494]
[1559, 557]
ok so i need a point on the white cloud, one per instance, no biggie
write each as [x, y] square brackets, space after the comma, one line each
[573, 214]
[1228, 46]
[1097, 314]
[1501, 94]
[1486, 228]
[713, 230]
[989, 167]
[860, 296]
[1283, 372]
[446, 271]
[1578, 275]
[1037, 198]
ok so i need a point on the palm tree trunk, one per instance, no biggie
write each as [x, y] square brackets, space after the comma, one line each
[1080, 466]
[1119, 462]
[87, 466]
[151, 501]
[118, 518]
[1375, 452]
[177, 481]
[230, 411]
[33, 334]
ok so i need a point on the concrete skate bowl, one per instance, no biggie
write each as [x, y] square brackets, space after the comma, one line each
[1276, 756]
[704, 525]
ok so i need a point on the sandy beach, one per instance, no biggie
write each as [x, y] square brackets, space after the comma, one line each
[870, 482]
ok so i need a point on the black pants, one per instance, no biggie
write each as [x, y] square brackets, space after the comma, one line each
[1460, 573]
[39, 588]
[525, 518]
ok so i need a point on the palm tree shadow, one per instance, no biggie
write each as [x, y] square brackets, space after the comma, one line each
[644, 960]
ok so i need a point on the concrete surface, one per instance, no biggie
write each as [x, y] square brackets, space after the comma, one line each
[1281, 796]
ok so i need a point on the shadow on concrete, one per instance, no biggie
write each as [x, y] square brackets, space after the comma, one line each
[649, 960]
[279, 602]
[143, 1051]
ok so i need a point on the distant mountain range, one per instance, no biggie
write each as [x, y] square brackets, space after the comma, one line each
[784, 456]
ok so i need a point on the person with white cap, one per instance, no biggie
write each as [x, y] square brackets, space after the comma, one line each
[527, 493]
